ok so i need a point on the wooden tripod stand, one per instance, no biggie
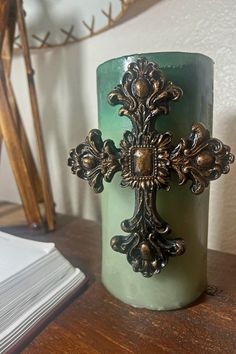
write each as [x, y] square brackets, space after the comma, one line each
[33, 188]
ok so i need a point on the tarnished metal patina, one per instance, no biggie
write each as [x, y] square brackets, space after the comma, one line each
[146, 159]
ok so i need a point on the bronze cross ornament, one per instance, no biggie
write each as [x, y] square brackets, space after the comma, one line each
[146, 159]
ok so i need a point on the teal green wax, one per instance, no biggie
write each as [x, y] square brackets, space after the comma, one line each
[184, 278]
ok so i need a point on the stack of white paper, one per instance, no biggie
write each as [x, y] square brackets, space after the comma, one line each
[34, 278]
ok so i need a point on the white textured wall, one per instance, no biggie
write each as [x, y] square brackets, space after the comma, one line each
[66, 83]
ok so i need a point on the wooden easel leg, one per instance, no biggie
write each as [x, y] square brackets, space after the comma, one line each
[19, 167]
[7, 51]
[8, 128]
[34, 176]
[31, 187]
[46, 186]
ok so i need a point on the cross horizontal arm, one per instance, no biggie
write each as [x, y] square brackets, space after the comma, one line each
[200, 158]
[95, 160]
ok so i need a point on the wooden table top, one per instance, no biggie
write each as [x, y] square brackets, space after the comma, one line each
[96, 322]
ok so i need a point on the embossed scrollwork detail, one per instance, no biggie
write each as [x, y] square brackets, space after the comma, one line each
[200, 158]
[146, 159]
[144, 94]
[147, 247]
[95, 160]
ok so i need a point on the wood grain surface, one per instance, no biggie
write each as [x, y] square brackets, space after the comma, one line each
[96, 322]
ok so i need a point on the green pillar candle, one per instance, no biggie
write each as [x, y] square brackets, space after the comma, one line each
[183, 280]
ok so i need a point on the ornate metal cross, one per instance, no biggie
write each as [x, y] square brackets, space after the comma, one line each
[146, 159]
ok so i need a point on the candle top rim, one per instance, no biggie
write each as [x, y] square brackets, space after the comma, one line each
[169, 54]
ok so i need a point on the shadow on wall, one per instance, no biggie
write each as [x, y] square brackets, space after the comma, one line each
[223, 197]
[59, 74]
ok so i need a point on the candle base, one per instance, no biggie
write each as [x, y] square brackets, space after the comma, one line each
[168, 305]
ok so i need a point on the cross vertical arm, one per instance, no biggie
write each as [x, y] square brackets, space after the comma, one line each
[147, 246]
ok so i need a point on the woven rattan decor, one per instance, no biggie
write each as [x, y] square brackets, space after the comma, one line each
[53, 23]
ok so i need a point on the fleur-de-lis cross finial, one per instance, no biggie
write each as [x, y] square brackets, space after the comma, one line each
[146, 159]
